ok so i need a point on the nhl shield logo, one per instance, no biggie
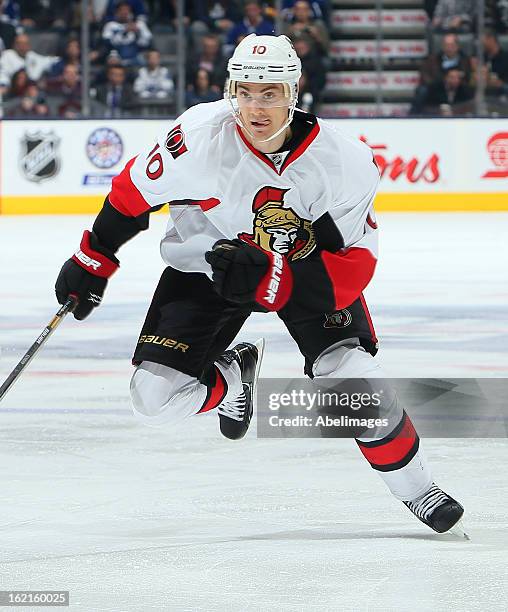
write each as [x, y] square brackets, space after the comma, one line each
[40, 158]
[341, 318]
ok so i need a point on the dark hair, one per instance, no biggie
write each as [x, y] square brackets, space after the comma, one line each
[16, 75]
[489, 33]
[195, 78]
[115, 67]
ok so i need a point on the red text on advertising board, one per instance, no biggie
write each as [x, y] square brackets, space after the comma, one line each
[412, 169]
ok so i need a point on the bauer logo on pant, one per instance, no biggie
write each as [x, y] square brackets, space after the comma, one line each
[163, 341]
[40, 158]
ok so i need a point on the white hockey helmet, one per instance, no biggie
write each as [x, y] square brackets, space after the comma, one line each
[264, 59]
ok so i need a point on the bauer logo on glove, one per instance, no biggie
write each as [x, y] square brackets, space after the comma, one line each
[244, 273]
[85, 275]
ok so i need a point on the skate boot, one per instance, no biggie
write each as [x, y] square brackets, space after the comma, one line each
[436, 509]
[235, 414]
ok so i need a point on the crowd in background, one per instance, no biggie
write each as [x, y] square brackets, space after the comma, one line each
[132, 69]
[128, 69]
[449, 75]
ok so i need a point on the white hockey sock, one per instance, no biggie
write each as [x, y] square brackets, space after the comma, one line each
[161, 394]
[396, 457]
[399, 460]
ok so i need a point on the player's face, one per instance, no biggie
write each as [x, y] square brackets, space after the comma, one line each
[263, 107]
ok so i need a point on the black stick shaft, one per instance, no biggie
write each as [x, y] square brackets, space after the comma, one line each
[33, 350]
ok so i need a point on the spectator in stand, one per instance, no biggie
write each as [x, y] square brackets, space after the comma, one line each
[21, 56]
[71, 54]
[201, 90]
[10, 12]
[116, 94]
[495, 69]
[497, 61]
[96, 19]
[101, 77]
[7, 35]
[253, 22]
[435, 67]
[68, 88]
[9, 19]
[19, 84]
[496, 15]
[137, 7]
[211, 59]
[164, 12]
[200, 16]
[312, 66]
[32, 104]
[305, 25]
[217, 15]
[127, 36]
[154, 81]
[447, 96]
[67, 84]
[320, 9]
[44, 14]
[454, 15]
[98, 10]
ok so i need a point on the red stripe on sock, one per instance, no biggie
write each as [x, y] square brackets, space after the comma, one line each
[216, 393]
[393, 450]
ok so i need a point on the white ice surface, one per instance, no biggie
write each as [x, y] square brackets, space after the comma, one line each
[133, 518]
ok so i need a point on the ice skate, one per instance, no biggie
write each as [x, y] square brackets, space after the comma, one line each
[235, 414]
[437, 509]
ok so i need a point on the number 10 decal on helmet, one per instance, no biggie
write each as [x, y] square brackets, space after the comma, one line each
[260, 60]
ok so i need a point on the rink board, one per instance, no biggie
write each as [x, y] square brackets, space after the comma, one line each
[66, 167]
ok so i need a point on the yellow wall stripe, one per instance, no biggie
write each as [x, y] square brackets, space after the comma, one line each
[385, 202]
[442, 202]
[53, 205]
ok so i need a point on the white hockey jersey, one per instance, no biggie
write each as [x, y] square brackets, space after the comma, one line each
[219, 186]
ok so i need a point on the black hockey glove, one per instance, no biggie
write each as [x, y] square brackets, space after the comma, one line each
[86, 275]
[244, 273]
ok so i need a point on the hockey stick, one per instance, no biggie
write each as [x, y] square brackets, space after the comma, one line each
[69, 306]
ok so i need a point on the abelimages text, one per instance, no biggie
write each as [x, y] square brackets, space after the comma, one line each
[325, 421]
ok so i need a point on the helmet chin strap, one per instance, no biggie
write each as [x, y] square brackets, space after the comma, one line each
[285, 125]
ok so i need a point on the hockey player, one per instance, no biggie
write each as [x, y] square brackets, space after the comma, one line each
[271, 210]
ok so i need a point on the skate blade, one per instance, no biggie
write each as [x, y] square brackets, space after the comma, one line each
[459, 531]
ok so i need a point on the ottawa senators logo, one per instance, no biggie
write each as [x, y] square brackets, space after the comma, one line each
[341, 318]
[175, 142]
[279, 229]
